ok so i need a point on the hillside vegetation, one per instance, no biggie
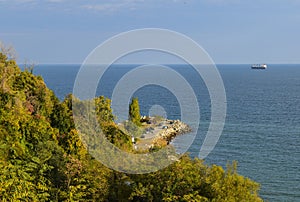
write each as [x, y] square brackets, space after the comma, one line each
[43, 159]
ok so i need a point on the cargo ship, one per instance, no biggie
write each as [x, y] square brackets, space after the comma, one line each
[259, 66]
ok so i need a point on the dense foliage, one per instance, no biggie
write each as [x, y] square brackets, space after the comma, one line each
[43, 159]
[134, 112]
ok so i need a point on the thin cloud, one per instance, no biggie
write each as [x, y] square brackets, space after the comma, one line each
[104, 7]
[113, 6]
[221, 2]
[31, 1]
[17, 1]
[55, 1]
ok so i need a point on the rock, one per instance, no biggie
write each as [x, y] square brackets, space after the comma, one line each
[169, 133]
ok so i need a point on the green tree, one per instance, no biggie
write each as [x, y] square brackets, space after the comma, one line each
[42, 157]
[134, 112]
[192, 180]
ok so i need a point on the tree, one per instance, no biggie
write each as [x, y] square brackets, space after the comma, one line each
[134, 112]
[191, 180]
[42, 157]
[9, 51]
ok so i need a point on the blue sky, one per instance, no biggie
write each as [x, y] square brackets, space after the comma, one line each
[231, 31]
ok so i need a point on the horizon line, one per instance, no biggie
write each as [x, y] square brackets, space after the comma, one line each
[161, 64]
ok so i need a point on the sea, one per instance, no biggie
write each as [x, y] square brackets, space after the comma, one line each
[262, 125]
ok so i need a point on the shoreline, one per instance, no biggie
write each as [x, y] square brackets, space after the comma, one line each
[178, 128]
[160, 133]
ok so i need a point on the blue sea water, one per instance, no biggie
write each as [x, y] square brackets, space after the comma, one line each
[262, 128]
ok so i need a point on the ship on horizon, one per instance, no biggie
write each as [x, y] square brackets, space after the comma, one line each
[259, 66]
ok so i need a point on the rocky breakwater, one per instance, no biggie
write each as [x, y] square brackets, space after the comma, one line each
[170, 130]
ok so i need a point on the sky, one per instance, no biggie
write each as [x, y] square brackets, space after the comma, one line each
[231, 31]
